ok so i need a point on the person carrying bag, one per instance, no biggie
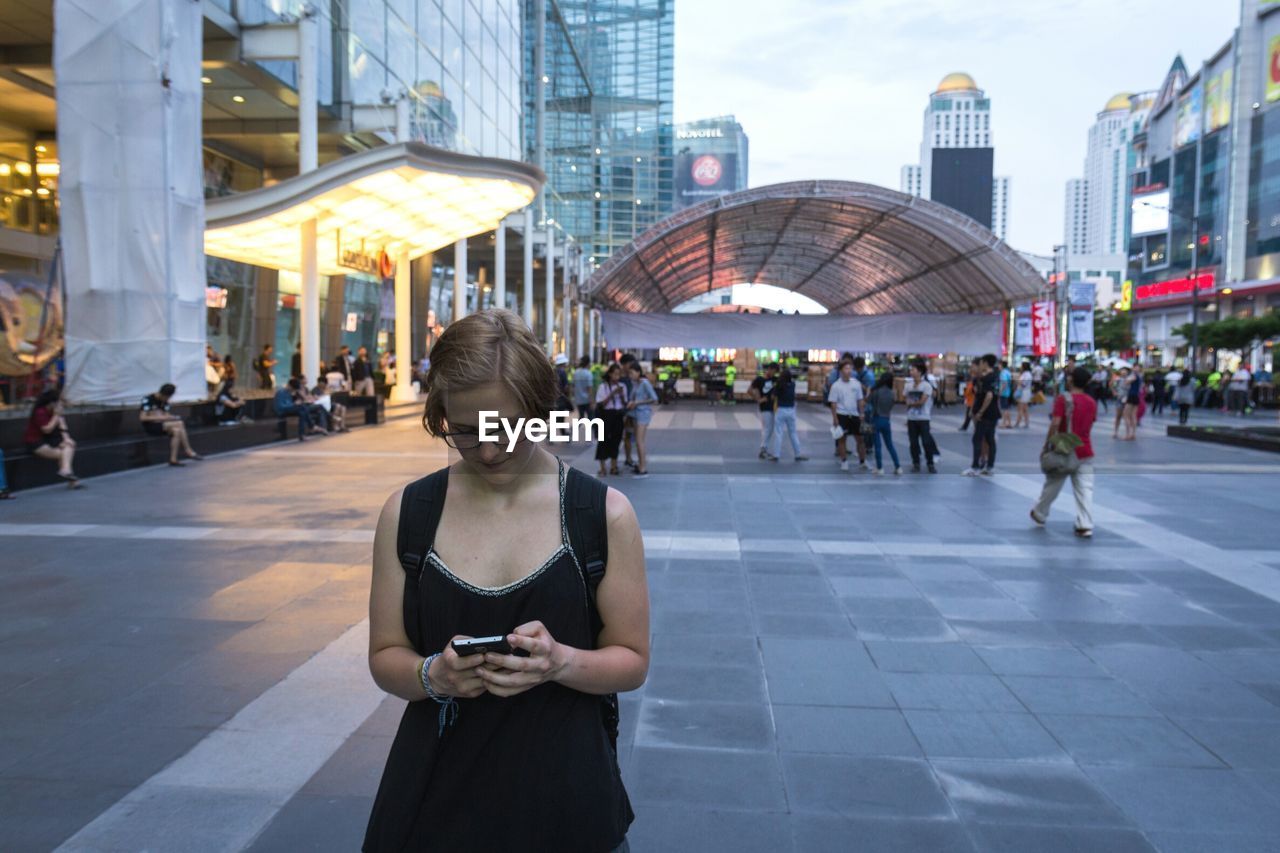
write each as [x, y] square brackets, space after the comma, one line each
[1068, 453]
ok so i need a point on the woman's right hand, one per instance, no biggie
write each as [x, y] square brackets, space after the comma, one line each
[454, 675]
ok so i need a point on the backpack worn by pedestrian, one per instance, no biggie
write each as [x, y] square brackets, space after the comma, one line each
[420, 509]
[1059, 454]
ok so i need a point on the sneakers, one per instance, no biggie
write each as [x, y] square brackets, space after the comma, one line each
[802, 458]
[987, 472]
[844, 466]
[915, 467]
[879, 472]
[771, 457]
[897, 472]
[639, 475]
[1037, 519]
[932, 468]
[1084, 533]
[764, 454]
[969, 472]
[862, 466]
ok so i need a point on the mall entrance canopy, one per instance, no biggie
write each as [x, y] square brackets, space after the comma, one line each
[853, 248]
[372, 211]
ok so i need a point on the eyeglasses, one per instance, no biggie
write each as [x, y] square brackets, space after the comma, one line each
[463, 440]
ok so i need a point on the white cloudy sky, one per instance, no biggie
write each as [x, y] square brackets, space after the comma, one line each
[837, 88]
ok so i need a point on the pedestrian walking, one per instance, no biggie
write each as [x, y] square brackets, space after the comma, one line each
[986, 415]
[342, 364]
[1022, 397]
[784, 418]
[1184, 395]
[920, 392]
[1238, 390]
[1159, 391]
[528, 727]
[264, 366]
[1006, 395]
[762, 391]
[582, 382]
[879, 410]
[845, 400]
[643, 396]
[1132, 400]
[1074, 413]
[611, 406]
[362, 375]
[47, 436]
[970, 391]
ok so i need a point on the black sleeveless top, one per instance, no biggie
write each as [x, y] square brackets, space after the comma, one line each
[533, 772]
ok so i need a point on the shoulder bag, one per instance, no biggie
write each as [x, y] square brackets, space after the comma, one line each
[1059, 454]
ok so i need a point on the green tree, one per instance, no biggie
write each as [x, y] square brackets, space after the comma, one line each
[1112, 330]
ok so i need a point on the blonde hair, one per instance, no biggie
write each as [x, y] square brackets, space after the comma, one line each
[489, 346]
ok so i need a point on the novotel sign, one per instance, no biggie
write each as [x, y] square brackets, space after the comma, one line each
[1173, 288]
[700, 133]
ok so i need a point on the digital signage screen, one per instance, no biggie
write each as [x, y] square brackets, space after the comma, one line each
[1150, 214]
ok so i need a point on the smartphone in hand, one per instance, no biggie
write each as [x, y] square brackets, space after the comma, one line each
[481, 645]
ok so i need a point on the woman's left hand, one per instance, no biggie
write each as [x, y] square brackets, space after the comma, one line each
[515, 675]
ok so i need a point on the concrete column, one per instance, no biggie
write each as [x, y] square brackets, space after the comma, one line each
[460, 279]
[549, 300]
[591, 334]
[526, 297]
[500, 266]
[403, 107]
[403, 390]
[1249, 88]
[308, 160]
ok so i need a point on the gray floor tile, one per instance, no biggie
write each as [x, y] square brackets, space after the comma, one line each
[953, 658]
[844, 731]
[312, 822]
[702, 778]
[1127, 741]
[705, 725]
[1190, 799]
[863, 787]
[1049, 794]
[1053, 695]
[1060, 661]
[669, 827]
[935, 630]
[961, 734]
[932, 691]
[1011, 838]
[826, 834]
[706, 683]
[1242, 744]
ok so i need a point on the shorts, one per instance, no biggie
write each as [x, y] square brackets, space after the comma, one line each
[851, 424]
[1006, 403]
[643, 415]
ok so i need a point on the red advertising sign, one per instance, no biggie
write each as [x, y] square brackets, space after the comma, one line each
[1173, 288]
[1044, 335]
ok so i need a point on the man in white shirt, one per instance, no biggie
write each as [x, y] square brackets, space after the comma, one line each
[1238, 390]
[845, 399]
[919, 391]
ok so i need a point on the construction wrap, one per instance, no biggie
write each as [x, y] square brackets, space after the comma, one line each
[970, 334]
[131, 187]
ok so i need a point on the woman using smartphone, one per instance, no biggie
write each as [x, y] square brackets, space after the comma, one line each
[502, 752]
[611, 407]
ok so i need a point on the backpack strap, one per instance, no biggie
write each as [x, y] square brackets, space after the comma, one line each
[588, 527]
[420, 509]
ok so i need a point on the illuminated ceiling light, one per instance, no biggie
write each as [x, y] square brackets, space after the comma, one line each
[639, 202]
[42, 191]
[239, 99]
[638, 159]
[395, 198]
[597, 150]
[23, 169]
[40, 149]
[48, 170]
[1226, 291]
[206, 80]
[597, 193]
[546, 79]
[6, 170]
[551, 222]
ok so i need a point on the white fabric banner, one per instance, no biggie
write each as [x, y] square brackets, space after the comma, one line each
[132, 197]
[968, 334]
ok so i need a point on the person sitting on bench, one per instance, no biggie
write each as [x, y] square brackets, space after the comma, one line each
[158, 420]
[227, 407]
[328, 401]
[289, 402]
[47, 437]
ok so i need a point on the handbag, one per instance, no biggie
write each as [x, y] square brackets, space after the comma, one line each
[1059, 454]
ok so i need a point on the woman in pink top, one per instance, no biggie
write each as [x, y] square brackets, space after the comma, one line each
[1084, 413]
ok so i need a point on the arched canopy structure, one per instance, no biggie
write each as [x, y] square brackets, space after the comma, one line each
[854, 248]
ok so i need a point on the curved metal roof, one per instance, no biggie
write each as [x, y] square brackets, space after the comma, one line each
[854, 248]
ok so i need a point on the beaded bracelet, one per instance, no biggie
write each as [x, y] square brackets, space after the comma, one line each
[448, 705]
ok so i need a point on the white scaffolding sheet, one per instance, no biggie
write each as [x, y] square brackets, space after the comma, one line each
[969, 334]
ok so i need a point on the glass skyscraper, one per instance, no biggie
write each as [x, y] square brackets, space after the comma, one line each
[607, 135]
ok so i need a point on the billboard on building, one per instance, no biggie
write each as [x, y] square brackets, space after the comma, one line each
[1217, 101]
[1188, 123]
[1273, 69]
[961, 179]
[700, 176]
[1150, 213]
[1083, 295]
[1022, 327]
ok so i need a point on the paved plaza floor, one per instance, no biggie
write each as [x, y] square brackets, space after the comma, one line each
[840, 662]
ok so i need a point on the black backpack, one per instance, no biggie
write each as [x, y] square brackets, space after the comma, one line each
[420, 509]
